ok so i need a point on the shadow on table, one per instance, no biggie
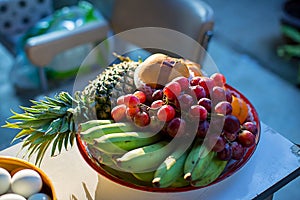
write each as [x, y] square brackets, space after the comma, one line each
[88, 195]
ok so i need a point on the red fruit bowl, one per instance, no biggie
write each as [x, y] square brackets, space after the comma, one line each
[129, 181]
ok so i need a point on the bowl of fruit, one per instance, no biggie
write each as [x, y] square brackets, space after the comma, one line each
[175, 130]
[158, 125]
[22, 180]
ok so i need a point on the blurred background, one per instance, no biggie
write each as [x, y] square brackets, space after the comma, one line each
[251, 45]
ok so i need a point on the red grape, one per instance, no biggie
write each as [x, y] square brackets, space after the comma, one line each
[157, 104]
[185, 101]
[246, 138]
[231, 124]
[250, 126]
[183, 81]
[131, 101]
[230, 136]
[226, 153]
[218, 94]
[176, 127]
[172, 90]
[219, 79]
[198, 112]
[118, 112]
[199, 91]
[157, 95]
[207, 84]
[166, 113]
[238, 151]
[228, 95]
[141, 119]
[195, 80]
[206, 103]
[140, 95]
[202, 129]
[217, 143]
[224, 108]
[130, 112]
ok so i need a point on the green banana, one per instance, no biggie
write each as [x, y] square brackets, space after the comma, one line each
[213, 171]
[171, 169]
[101, 157]
[92, 123]
[98, 131]
[145, 159]
[197, 162]
[118, 143]
[146, 176]
[180, 182]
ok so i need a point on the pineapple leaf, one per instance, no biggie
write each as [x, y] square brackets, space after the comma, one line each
[64, 125]
[22, 133]
[54, 126]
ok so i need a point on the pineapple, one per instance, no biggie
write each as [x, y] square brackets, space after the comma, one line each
[52, 121]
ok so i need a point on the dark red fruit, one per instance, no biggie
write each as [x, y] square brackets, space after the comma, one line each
[183, 81]
[219, 79]
[246, 138]
[176, 127]
[218, 94]
[217, 143]
[157, 95]
[207, 84]
[250, 126]
[226, 153]
[231, 124]
[206, 103]
[157, 104]
[172, 90]
[224, 108]
[198, 112]
[166, 113]
[131, 101]
[185, 101]
[202, 129]
[195, 80]
[130, 112]
[238, 151]
[118, 112]
[141, 119]
[141, 96]
[198, 91]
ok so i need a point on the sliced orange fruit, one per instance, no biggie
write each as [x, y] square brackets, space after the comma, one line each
[239, 109]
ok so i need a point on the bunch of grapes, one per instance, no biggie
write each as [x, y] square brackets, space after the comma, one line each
[183, 103]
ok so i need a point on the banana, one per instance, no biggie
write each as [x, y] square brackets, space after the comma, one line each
[101, 157]
[146, 176]
[145, 159]
[120, 143]
[171, 169]
[197, 162]
[180, 182]
[92, 123]
[95, 132]
[213, 171]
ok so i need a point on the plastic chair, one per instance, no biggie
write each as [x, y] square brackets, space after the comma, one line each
[193, 18]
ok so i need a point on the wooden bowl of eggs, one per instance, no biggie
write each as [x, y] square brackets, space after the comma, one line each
[21, 180]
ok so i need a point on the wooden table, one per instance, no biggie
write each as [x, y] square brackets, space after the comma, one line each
[275, 163]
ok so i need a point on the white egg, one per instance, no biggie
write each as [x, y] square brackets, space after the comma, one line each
[11, 197]
[4, 180]
[39, 196]
[26, 182]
